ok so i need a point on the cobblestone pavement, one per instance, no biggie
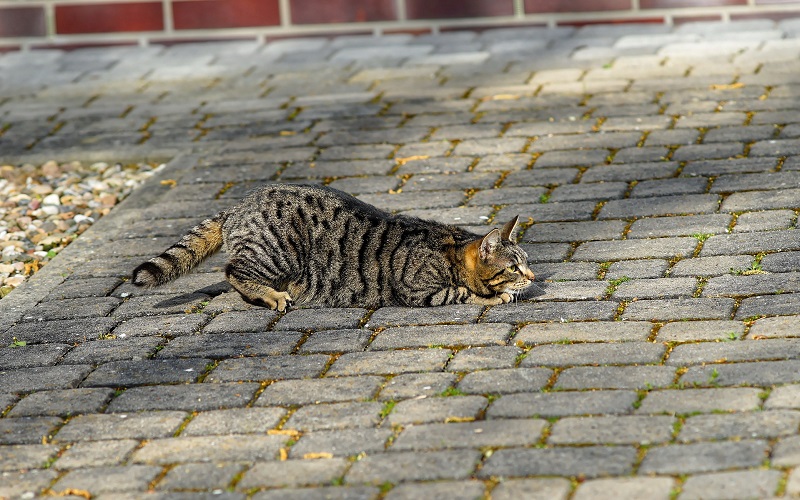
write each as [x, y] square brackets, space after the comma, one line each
[657, 170]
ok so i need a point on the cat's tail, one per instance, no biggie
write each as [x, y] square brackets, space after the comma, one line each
[200, 242]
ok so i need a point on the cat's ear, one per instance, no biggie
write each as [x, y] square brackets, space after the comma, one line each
[489, 243]
[509, 231]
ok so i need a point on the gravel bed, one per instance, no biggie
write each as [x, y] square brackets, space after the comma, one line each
[45, 207]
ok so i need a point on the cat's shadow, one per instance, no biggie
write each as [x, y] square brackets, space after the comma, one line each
[186, 298]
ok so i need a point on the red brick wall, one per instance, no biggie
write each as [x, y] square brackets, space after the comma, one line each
[74, 22]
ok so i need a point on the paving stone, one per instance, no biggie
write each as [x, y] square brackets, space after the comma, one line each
[631, 172]
[786, 452]
[389, 362]
[86, 454]
[784, 397]
[574, 231]
[764, 221]
[27, 430]
[324, 493]
[293, 473]
[494, 433]
[782, 304]
[679, 309]
[269, 368]
[96, 427]
[327, 390]
[734, 484]
[72, 309]
[413, 466]
[441, 335]
[154, 305]
[59, 331]
[626, 487]
[26, 483]
[439, 489]
[412, 385]
[467, 180]
[661, 205]
[758, 200]
[145, 372]
[703, 457]
[103, 351]
[615, 377]
[335, 416]
[711, 266]
[686, 331]
[665, 248]
[558, 404]
[200, 477]
[503, 381]
[342, 442]
[336, 341]
[437, 409]
[167, 326]
[644, 268]
[605, 430]
[540, 333]
[321, 319]
[702, 353]
[535, 489]
[763, 373]
[764, 424]
[758, 284]
[594, 354]
[203, 450]
[589, 461]
[657, 288]
[780, 262]
[257, 320]
[479, 358]
[590, 191]
[686, 225]
[550, 212]
[234, 421]
[32, 355]
[62, 403]
[108, 479]
[531, 312]
[402, 316]
[183, 397]
[229, 345]
[669, 187]
[42, 378]
[565, 271]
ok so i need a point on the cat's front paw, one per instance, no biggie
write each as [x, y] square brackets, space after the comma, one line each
[279, 301]
[505, 297]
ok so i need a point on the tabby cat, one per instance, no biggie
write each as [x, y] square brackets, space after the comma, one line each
[317, 245]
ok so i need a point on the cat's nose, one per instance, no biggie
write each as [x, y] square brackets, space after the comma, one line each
[527, 273]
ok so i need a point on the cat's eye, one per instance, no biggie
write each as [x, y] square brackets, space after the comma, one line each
[512, 269]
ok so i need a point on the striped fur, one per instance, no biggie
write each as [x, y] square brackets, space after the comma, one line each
[316, 245]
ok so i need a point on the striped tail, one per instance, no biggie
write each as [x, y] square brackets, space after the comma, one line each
[200, 242]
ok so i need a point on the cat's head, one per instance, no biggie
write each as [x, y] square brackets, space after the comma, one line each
[498, 264]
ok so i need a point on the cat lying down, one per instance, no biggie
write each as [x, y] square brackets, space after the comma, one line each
[319, 246]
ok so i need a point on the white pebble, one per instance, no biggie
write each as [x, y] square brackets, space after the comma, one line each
[51, 199]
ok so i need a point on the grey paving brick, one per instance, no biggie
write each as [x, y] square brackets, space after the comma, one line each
[509, 380]
[145, 372]
[401, 316]
[661, 205]
[336, 341]
[703, 457]
[605, 430]
[670, 187]
[411, 466]
[389, 362]
[420, 199]
[202, 477]
[589, 191]
[154, 305]
[32, 355]
[558, 404]
[479, 358]
[234, 421]
[691, 354]
[26, 482]
[781, 304]
[551, 311]
[479, 434]
[437, 409]
[601, 331]
[72, 309]
[687, 225]
[27, 430]
[342, 442]
[787, 452]
[256, 320]
[644, 268]
[574, 231]
[535, 489]
[615, 377]
[168, 325]
[412, 385]
[321, 319]
[193, 397]
[293, 473]
[550, 212]
[783, 397]
[774, 327]
[711, 266]
[679, 309]
[626, 487]
[144, 425]
[700, 400]
[594, 354]
[657, 288]
[321, 493]
[589, 461]
[758, 200]
[335, 416]
[268, 368]
[781, 262]
[218, 346]
[59, 331]
[327, 390]
[97, 480]
[439, 489]
[738, 484]
[200, 449]
[760, 374]
[764, 424]
[518, 195]
[601, 251]
[758, 284]
[442, 335]
[467, 180]
[566, 271]
[85, 454]
[62, 403]
[42, 378]
[630, 172]
[102, 351]
[686, 331]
